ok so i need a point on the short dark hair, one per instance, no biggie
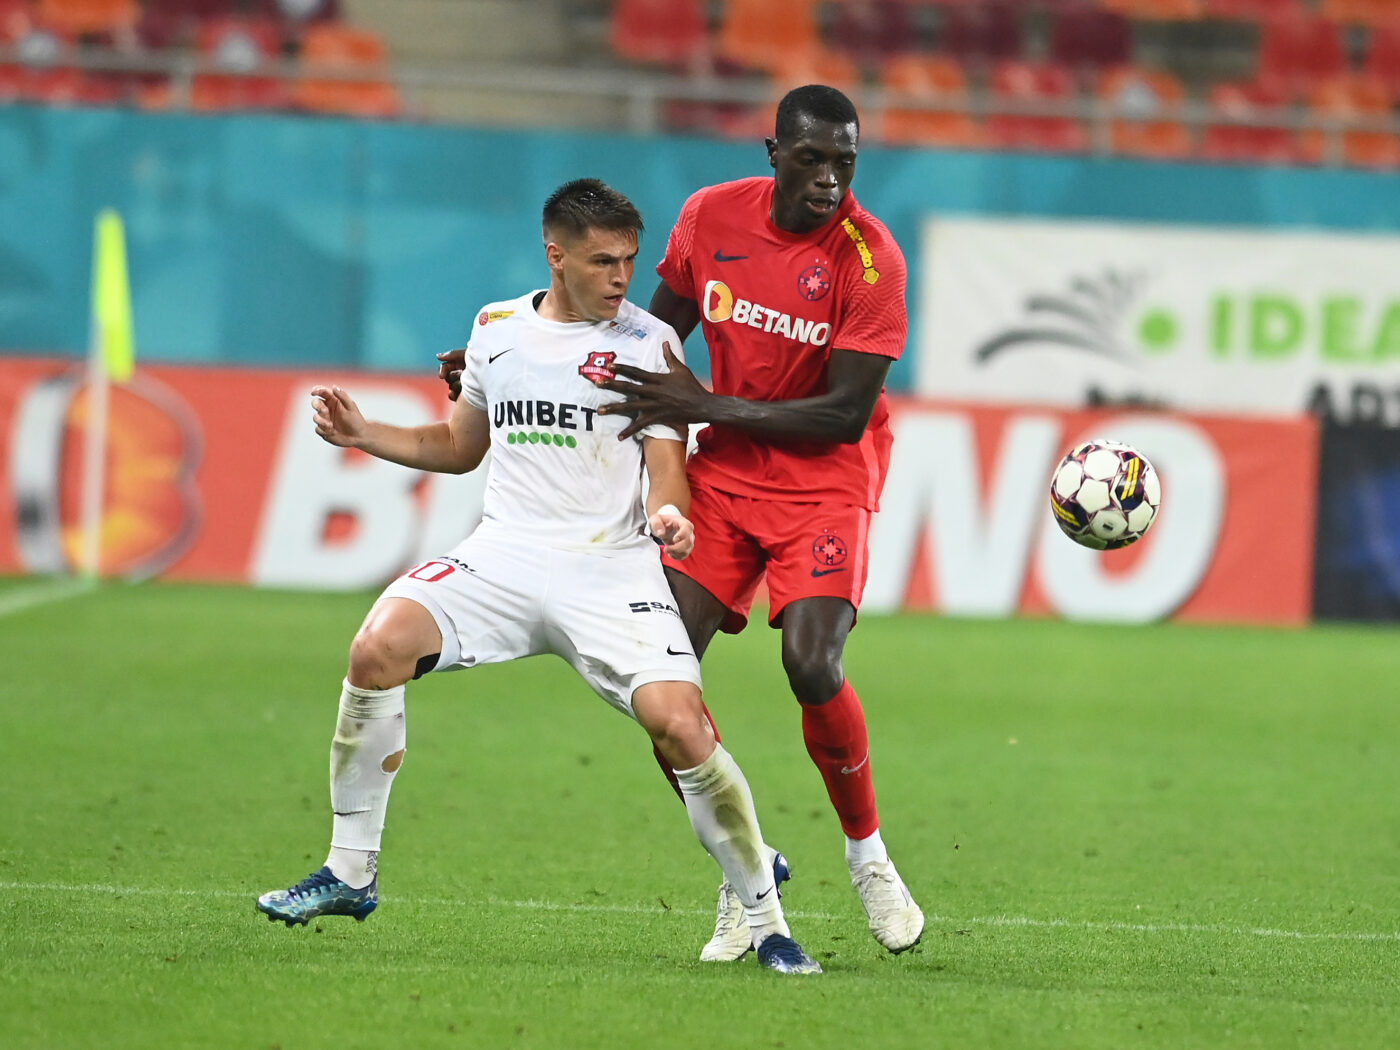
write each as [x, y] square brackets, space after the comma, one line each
[589, 204]
[817, 101]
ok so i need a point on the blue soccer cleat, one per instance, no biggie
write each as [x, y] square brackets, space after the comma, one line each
[784, 955]
[320, 893]
[732, 939]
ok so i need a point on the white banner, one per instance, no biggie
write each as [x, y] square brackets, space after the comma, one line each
[1196, 318]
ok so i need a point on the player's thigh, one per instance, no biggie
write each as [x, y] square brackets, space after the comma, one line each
[611, 615]
[486, 598]
[815, 550]
[727, 562]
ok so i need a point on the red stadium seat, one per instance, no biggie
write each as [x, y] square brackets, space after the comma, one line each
[41, 73]
[1088, 37]
[1382, 60]
[982, 34]
[1253, 101]
[1362, 12]
[1156, 10]
[1298, 48]
[1247, 10]
[936, 81]
[873, 30]
[238, 47]
[1026, 84]
[668, 33]
[89, 17]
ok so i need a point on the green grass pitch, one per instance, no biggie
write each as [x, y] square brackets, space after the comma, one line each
[1123, 837]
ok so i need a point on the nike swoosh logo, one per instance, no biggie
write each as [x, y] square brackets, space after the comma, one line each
[858, 766]
[827, 572]
[721, 257]
[765, 893]
[677, 652]
[503, 353]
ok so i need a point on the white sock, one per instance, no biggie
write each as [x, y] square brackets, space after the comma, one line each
[368, 732]
[720, 805]
[864, 851]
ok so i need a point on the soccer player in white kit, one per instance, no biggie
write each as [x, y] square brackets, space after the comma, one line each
[563, 562]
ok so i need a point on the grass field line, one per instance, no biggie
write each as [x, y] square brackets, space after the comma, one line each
[961, 924]
[22, 598]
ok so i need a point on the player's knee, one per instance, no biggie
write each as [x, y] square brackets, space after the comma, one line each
[813, 678]
[380, 657]
[674, 719]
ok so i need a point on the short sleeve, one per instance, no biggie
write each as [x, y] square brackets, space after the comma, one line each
[674, 267]
[667, 334]
[874, 315]
[471, 379]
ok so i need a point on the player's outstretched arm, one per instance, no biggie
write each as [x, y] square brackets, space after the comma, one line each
[668, 495]
[454, 446]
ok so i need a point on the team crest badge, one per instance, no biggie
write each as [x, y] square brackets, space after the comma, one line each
[598, 367]
[829, 549]
[814, 283]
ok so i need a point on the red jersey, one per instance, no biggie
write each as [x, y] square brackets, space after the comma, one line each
[773, 304]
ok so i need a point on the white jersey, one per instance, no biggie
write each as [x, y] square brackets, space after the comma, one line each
[558, 474]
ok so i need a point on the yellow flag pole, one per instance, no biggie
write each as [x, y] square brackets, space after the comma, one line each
[111, 358]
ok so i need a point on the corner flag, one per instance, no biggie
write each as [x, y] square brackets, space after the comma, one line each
[114, 343]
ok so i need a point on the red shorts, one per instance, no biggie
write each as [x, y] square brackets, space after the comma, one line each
[806, 550]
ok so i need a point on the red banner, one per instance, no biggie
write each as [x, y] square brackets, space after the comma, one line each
[217, 474]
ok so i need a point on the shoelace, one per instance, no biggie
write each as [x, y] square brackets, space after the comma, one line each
[726, 920]
[313, 882]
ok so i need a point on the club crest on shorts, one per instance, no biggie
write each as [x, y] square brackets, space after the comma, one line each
[598, 366]
[829, 549]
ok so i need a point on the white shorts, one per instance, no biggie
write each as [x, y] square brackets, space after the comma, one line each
[608, 612]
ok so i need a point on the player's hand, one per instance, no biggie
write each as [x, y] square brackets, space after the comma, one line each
[450, 365]
[673, 397]
[338, 419]
[673, 530]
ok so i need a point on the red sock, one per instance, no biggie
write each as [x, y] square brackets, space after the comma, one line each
[667, 771]
[837, 741]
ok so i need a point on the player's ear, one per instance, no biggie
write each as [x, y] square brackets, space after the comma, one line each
[772, 145]
[554, 254]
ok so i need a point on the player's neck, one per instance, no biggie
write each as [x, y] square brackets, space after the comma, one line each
[559, 307]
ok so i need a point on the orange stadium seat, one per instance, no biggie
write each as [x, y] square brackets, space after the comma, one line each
[1247, 10]
[41, 73]
[1362, 12]
[1155, 98]
[1030, 84]
[669, 33]
[1348, 98]
[83, 17]
[363, 91]
[932, 79]
[763, 34]
[1255, 100]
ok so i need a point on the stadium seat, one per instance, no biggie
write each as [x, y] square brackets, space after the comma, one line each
[1348, 99]
[668, 33]
[41, 73]
[364, 89]
[981, 34]
[1026, 84]
[763, 34]
[1247, 10]
[238, 47]
[1382, 61]
[1087, 37]
[14, 20]
[1242, 142]
[1153, 100]
[934, 80]
[1155, 10]
[1299, 48]
[873, 30]
[1362, 12]
[104, 18]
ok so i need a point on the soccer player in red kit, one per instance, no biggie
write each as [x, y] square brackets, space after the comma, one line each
[800, 294]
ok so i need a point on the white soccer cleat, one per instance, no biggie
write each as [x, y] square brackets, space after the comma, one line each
[732, 938]
[895, 919]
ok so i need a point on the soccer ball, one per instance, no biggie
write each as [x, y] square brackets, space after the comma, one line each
[1105, 495]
